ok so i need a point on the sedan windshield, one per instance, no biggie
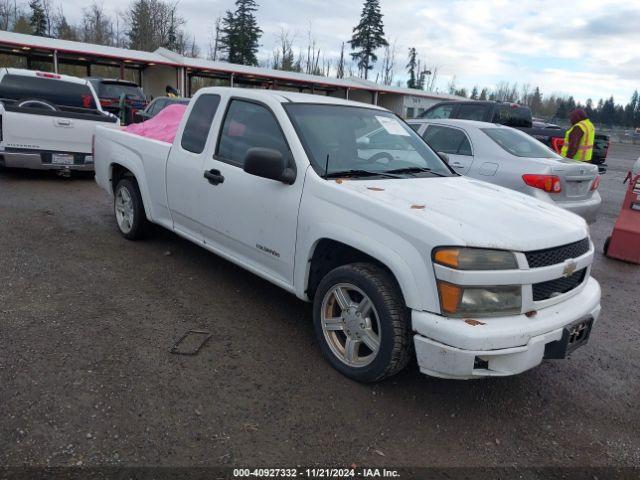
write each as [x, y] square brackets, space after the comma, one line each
[362, 142]
[519, 144]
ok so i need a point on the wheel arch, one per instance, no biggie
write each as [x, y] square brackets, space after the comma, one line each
[328, 253]
[118, 171]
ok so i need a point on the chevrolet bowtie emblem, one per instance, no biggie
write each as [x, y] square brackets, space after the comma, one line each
[569, 268]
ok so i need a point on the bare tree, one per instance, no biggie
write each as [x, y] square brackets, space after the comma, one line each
[214, 41]
[388, 64]
[62, 29]
[340, 66]
[283, 55]
[97, 26]
[8, 14]
[312, 62]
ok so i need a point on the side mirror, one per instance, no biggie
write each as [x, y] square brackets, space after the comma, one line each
[444, 157]
[363, 141]
[268, 163]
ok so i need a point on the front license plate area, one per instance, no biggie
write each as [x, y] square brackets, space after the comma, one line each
[573, 336]
[61, 159]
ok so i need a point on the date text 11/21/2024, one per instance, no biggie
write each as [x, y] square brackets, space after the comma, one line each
[316, 473]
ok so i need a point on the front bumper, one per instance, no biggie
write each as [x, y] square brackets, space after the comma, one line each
[502, 346]
[34, 161]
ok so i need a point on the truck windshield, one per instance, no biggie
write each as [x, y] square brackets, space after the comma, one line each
[363, 141]
[518, 143]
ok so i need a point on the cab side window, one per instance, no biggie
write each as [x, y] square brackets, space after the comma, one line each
[471, 112]
[447, 140]
[250, 125]
[443, 111]
[198, 126]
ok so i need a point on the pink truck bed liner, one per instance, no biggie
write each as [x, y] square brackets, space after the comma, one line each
[163, 126]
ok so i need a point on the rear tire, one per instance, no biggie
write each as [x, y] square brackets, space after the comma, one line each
[129, 210]
[362, 322]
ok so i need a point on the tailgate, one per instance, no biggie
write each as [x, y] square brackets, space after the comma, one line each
[27, 131]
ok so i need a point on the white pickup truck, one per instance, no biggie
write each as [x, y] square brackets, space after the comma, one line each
[47, 121]
[400, 257]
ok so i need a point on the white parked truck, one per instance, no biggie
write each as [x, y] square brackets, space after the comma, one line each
[400, 257]
[47, 121]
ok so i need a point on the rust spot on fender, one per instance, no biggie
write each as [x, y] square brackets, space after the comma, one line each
[473, 323]
[339, 181]
[418, 207]
[530, 314]
[375, 189]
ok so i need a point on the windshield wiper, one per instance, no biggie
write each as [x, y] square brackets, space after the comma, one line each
[414, 170]
[360, 173]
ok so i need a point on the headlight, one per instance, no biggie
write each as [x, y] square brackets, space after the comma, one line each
[459, 301]
[475, 258]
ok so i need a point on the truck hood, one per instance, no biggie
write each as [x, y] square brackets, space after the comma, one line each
[471, 212]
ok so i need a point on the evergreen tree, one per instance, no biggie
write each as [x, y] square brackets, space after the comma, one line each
[240, 33]
[535, 103]
[474, 93]
[483, 94]
[412, 67]
[38, 18]
[138, 25]
[368, 36]
[172, 35]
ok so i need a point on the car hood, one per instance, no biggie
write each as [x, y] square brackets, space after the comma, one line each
[469, 211]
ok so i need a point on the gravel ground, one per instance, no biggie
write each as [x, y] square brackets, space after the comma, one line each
[86, 377]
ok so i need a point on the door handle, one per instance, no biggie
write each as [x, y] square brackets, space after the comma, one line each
[64, 123]
[214, 177]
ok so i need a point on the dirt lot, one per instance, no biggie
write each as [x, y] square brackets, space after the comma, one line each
[87, 319]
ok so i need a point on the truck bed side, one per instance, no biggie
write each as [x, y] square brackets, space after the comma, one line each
[145, 158]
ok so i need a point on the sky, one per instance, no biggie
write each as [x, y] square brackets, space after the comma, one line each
[585, 48]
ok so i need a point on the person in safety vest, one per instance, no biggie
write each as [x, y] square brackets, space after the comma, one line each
[171, 92]
[578, 141]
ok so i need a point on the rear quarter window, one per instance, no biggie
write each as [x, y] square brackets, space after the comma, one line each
[198, 126]
[58, 92]
[513, 116]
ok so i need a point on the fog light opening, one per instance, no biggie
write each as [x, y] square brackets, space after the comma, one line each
[480, 364]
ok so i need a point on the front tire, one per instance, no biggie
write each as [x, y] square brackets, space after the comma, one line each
[362, 322]
[129, 210]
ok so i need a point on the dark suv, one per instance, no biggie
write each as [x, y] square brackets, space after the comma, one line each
[517, 116]
[510, 114]
[120, 97]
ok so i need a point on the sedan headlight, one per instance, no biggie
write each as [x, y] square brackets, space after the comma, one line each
[463, 301]
[475, 258]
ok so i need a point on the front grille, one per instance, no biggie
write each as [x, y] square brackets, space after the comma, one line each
[553, 288]
[553, 256]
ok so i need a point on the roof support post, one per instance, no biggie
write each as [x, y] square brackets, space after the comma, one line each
[346, 93]
[375, 98]
[88, 69]
[231, 77]
[121, 70]
[55, 61]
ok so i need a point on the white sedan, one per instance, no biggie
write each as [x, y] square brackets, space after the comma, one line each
[510, 158]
